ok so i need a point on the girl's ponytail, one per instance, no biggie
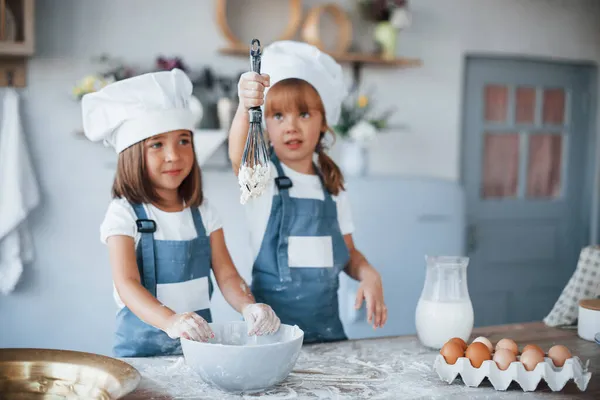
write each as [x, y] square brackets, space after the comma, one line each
[332, 175]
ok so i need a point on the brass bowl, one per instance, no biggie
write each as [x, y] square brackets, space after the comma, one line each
[63, 374]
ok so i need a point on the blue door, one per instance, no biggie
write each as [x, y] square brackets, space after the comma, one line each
[527, 170]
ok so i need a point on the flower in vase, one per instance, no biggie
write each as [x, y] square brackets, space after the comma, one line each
[110, 70]
[363, 132]
[167, 64]
[89, 84]
[400, 18]
[363, 101]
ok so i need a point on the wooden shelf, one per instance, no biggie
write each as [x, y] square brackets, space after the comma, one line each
[354, 58]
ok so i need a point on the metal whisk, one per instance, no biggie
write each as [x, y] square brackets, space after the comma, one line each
[254, 169]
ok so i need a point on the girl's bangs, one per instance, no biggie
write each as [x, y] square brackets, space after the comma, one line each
[290, 95]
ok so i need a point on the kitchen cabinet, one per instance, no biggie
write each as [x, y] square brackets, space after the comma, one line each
[17, 40]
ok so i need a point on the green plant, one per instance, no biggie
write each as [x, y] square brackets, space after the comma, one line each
[358, 108]
[110, 70]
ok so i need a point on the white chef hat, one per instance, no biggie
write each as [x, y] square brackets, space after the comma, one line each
[290, 59]
[131, 110]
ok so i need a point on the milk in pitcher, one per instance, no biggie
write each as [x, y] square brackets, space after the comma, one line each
[444, 309]
[438, 322]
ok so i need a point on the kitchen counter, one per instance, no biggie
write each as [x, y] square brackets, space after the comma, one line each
[382, 368]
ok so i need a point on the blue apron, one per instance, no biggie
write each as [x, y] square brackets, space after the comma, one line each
[306, 296]
[161, 262]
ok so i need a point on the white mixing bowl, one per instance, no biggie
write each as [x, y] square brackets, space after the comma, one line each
[236, 362]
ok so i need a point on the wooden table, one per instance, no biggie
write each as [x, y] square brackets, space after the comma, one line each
[383, 368]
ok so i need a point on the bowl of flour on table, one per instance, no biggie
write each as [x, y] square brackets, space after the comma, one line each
[235, 362]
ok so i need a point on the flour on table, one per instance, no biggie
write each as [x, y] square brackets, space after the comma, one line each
[379, 370]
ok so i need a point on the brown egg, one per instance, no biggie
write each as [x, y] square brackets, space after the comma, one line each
[477, 353]
[460, 342]
[485, 341]
[559, 354]
[503, 358]
[534, 347]
[508, 344]
[451, 352]
[531, 358]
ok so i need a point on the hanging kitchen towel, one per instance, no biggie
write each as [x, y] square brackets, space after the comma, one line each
[584, 284]
[19, 195]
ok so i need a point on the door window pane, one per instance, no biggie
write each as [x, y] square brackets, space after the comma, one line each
[525, 105]
[543, 171]
[500, 165]
[496, 103]
[554, 106]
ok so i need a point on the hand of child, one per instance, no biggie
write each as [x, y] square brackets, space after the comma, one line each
[261, 319]
[190, 326]
[371, 289]
[251, 89]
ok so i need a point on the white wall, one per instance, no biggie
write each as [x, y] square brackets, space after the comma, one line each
[443, 33]
[63, 299]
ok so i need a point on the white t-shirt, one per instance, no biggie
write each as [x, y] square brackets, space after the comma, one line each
[258, 210]
[120, 220]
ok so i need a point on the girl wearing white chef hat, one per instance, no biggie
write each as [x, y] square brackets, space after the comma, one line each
[162, 235]
[301, 228]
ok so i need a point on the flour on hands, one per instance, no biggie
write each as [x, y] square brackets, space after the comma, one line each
[189, 325]
[261, 319]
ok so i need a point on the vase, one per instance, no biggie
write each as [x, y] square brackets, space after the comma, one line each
[385, 36]
[353, 158]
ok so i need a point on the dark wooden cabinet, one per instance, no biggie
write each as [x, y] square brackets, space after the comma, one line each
[17, 40]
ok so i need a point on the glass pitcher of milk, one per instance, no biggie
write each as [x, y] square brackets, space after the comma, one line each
[444, 309]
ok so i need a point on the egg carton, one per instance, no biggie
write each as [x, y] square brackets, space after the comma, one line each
[555, 377]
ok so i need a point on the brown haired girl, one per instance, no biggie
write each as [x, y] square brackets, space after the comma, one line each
[301, 227]
[163, 237]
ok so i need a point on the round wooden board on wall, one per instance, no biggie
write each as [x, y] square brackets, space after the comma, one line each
[294, 21]
[310, 29]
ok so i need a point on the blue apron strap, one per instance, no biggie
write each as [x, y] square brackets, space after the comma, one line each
[146, 227]
[283, 184]
[200, 230]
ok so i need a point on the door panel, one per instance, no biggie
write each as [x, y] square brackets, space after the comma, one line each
[524, 155]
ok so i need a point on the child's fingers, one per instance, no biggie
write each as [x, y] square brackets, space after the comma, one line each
[370, 307]
[254, 86]
[253, 94]
[251, 323]
[378, 314]
[201, 328]
[261, 324]
[192, 329]
[204, 327]
[251, 76]
[385, 315]
[266, 79]
[276, 323]
[270, 323]
[360, 294]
